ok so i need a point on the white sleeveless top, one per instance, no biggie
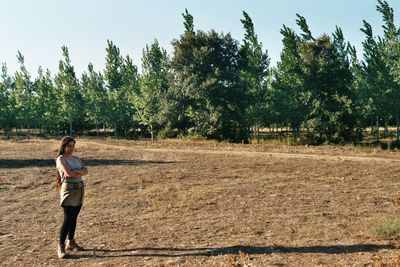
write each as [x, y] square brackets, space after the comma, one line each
[73, 164]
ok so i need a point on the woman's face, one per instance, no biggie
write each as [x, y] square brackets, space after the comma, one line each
[70, 148]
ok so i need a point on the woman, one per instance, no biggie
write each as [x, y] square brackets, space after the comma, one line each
[69, 179]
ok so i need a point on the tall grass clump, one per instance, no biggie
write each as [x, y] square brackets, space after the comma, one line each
[389, 229]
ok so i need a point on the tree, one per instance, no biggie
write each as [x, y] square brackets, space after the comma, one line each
[153, 86]
[390, 46]
[205, 86]
[290, 99]
[131, 87]
[176, 102]
[24, 96]
[254, 75]
[48, 102]
[120, 108]
[72, 104]
[328, 80]
[188, 23]
[363, 109]
[95, 97]
[375, 72]
[7, 103]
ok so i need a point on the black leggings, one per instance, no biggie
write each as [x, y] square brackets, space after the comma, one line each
[69, 224]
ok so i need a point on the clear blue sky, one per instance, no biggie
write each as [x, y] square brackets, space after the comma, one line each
[39, 28]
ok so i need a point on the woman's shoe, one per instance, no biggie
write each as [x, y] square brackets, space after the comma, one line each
[61, 251]
[71, 245]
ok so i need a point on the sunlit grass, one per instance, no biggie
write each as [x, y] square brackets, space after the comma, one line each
[388, 229]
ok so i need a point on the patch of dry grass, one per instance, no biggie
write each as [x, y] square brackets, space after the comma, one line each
[198, 203]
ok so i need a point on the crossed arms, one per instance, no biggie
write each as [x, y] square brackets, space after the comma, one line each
[71, 174]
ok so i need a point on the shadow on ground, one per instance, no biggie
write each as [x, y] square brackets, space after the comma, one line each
[208, 252]
[25, 163]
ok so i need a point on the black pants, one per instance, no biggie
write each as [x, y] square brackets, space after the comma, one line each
[69, 225]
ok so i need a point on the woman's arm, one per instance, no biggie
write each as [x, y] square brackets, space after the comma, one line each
[69, 174]
[83, 170]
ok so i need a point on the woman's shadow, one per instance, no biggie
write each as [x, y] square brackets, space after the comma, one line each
[169, 252]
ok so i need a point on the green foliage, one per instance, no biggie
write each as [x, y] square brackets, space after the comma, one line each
[153, 85]
[120, 110]
[7, 101]
[302, 23]
[130, 87]
[95, 96]
[71, 97]
[205, 93]
[114, 62]
[48, 101]
[188, 22]
[380, 68]
[328, 79]
[254, 76]
[212, 86]
[24, 96]
[290, 100]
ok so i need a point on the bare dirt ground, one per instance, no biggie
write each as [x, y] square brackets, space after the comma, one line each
[181, 203]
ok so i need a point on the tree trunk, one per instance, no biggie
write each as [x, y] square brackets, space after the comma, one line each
[8, 130]
[387, 133]
[70, 127]
[97, 129]
[372, 126]
[151, 133]
[377, 129]
[115, 129]
[397, 127]
[295, 132]
[258, 132]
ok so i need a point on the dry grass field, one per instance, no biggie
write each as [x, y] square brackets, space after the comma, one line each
[186, 203]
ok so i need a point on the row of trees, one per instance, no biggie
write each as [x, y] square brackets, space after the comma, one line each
[217, 87]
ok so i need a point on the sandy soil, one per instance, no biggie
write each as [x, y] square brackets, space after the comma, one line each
[181, 203]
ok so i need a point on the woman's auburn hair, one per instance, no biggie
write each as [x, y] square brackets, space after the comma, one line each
[64, 142]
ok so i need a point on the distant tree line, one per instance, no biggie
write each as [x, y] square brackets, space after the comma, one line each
[216, 87]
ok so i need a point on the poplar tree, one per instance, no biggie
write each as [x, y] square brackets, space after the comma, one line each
[24, 96]
[254, 75]
[373, 66]
[289, 98]
[7, 102]
[120, 108]
[177, 102]
[390, 45]
[153, 85]
[362, 102]
[48, 102]
[95, 96]
[72, 104]
[131, 87]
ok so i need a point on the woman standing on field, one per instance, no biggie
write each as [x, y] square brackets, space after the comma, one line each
[70, 170]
